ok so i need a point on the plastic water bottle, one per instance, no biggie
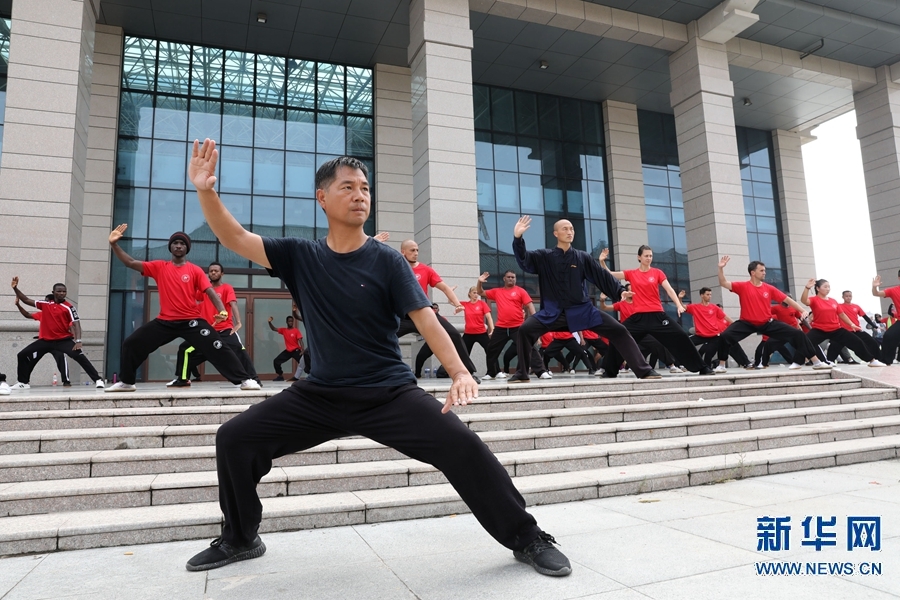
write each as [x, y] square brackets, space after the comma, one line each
[427, 372]
[55, 380]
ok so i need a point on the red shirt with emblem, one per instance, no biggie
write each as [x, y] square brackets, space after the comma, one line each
[894, 294]
[291, 338]
[426, 276]
[178, 288]
[511, 303]
[645, 286]
[756, 302]
[208, 312]
[853, 312]
[825, 313]
[55, 319]
[787, 315]
[546, 339]
[626, 309]
[475, 312]
[708, 320]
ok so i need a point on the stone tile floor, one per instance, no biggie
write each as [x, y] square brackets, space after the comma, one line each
[695, 543]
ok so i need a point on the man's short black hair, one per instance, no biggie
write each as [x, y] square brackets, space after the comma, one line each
[508, 271]
[753, 264]
[328, 171]
[56, 285]
[703, 290]
[846, 292]
[216, 264]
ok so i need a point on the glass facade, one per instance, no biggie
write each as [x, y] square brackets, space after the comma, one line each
[764, 238]
[275, 119]
[663, 202]
[4, 66]
[542, 156]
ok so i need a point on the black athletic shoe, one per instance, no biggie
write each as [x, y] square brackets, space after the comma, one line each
[652, 375]
[476, 378]
[545, 559]
[516, 378]
[293, 379]
[279, 378]
[180, 383]
[221, 553]
[67, 384]
[706, 371]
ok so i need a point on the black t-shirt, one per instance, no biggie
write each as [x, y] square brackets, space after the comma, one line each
[351, 304]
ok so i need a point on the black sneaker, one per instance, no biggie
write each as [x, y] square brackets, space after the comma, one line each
[67, 384]
[545, 559]
[180, 383]
[279, 378]
[652, 375]
[221, 553]
[516, 378]
[704, 370]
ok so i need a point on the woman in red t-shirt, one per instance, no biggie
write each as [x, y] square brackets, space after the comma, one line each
[649, 318]
[477, 312]
[826, 325]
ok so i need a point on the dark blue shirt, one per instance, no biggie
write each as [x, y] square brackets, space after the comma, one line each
[351, 304]
[561, 277]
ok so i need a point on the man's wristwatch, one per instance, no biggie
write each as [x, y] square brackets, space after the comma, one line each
[223, 313]
[77, 341]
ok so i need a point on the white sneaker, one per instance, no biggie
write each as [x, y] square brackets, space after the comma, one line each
[720, 369]
[250, 385]
[599, 372]
[100, 384]
[876, 363]
[571, 371]
[546, 375]
[4, 388]
[487, 377]
[794, 367]
[760, 367]
[120, 386]
[502, 375]
[822, 365]
[674, 369]
[20, 386]
[173, 382]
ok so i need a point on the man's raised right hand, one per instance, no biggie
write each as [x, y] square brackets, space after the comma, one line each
[117, 233]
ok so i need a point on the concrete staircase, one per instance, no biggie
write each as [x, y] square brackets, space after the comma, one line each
[83, 469]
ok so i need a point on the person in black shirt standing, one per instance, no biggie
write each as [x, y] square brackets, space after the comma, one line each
[565, 305]
[352, 292]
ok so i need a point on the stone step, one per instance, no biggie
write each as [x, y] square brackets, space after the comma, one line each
[164, 523]
[34, 441]
[211, 394]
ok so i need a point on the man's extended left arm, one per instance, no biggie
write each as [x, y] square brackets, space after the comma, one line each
[603, 279]
[464, 389]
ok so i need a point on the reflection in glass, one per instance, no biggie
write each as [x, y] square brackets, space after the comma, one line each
[485, 187]
[235, 170]
[359, 90]
[270, 79]
[301, 131]
[268, 172]
[301, 88]
[300, 218]
[237, 124]
[136, 114]
[166, 213]
[238, 75]
[360, 138]
[300, 174]
[330, 87]
[133, 162]
[206, 72]
[269, 128]
[507, 191]
[330, 134]
[173, 75]
[169, 164]
[139, 64]
[205, 120]
[170, 118]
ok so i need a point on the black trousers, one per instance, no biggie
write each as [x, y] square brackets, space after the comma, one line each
[668, 332]
[470, 339]
[654, 351]
[600, 346]
[499, 339]
[774, 329]
[868, 341]
[576, 352]
[767, 348]
[285, 356]
[709, 348]
[840, 338]
[407, 326]
[890, 341]
[200, 334]
[404, 417]
[611, 329]
[189, 357]
[29, 356]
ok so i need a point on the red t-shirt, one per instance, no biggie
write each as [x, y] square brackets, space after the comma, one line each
[511, 303]
[626, 309]
[178, 288]
[546, 339]
[475, 312]
[562, 335]
[55, 319]
[291, 337]
[825, 313]
[756, 302]
[589, 335]
[786, 315]
[426, 276]
[646, 289]
[208, 312]
[708, 320]
[853, 312]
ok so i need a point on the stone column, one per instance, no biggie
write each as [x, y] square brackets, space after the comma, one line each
[99, 191]
[791, 181]
[625, 179]
[393, 153]
[443, 141]
[710, 173]
[878, 131]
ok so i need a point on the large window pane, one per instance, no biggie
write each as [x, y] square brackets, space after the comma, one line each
[170, 118]
[597, 199]
[484, 151]
[300, 174]
[269, 128]
[238, 76]
[485, 186]
[174, 68]
[481, 96]
[507, 191]
[139, 64]
[239, 205]
[529, 156]
[300, 131]
[205, 120]
[169, 164]
[237, 124]
[268, 172]
[330, 87]
[300, 218]
[206, 71]
[301, 83]
[270, 79]
[268, 216]
[132, 206]
[532, 196]
[133, 162]
[360, 136]
[136, 114]
[166, 213]
[359, 90]
[235, 170]
[330, 135]
[502, 114]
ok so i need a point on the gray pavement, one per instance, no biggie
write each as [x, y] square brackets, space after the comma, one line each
[699, 542]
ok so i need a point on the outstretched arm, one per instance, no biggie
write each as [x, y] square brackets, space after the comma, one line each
[451, 296]
[722, 281]
[876, 283]
[804, 297]
[524, 258]
[604, 254]
[24, 312]
[675, 297]
[114, 237]
[464, 389]
[19, 295]
[272, 327]
[224, 226]
[796, 306]
[848, 322]
[480, 282]
[221, 313]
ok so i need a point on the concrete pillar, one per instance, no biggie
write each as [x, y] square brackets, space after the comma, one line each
[878, 131]
[710, 173]
[795, 227]
[393, 153]
[99, 191]
[625, 179]
[443, 140]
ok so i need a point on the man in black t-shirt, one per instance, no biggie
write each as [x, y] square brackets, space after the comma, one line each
[352, 292]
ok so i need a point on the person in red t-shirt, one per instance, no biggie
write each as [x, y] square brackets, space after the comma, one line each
[565, 340]
[179, 282]
[477, 313]
[59, 330]
[891, 339]
[756, 298]
[710, 321]
[827, 318]
[650, 347]
[649, 318]
[513, 304]
[854, 312]
[189, 357]
[60, 358]
[293, 345]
